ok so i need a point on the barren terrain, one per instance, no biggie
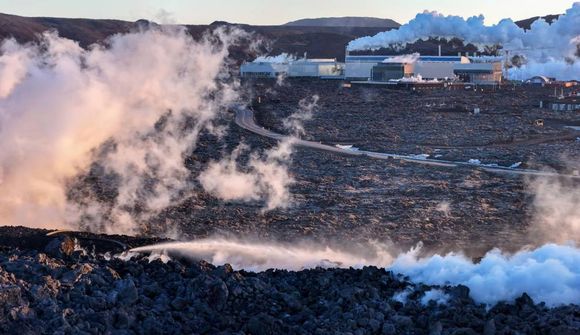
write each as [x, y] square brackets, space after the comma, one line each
[60, 285]
[339, 199]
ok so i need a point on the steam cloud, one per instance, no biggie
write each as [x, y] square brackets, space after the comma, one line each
[264, 177]
[550, 273]
[281, 58]
[411, 58]
[556, 210]
[295, 122]
[263, 256]
[148, 94]
[549, 49]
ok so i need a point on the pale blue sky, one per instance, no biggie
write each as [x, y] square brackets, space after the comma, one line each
[277, 11]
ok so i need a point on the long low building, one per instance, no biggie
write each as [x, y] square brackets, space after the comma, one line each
[380, 68]
[479, 73]
[318, 68]
[383, 68]
[264, 69]
[360, 67]
[570, 103]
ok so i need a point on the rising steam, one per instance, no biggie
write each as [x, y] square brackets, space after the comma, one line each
[550, 273]
[265, 176]
[148, 94]
[264, 256]
[549, 49]
[556, 216]
[281, 58]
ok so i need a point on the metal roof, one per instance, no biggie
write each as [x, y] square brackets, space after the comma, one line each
[421, 58]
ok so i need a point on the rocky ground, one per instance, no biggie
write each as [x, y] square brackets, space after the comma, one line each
[449, 209]
[74, 284]
[438, 122]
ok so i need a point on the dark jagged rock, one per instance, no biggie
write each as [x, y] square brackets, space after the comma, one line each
[45, 294]
[60, 246]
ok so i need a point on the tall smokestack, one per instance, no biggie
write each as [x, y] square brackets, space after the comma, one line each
[439, 50]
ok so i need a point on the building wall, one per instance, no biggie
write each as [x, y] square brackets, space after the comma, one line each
[429, 67]
[316, 69]
[330, 70]
[486, 78]
[295, 69]
[434, 70]
[303, 69]
[480, 73]
[388, 71]
[268, 70]
[358, 70]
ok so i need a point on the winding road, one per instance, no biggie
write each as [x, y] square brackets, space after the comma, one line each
[245, 119]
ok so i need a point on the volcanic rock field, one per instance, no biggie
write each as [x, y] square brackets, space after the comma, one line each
[73, 285]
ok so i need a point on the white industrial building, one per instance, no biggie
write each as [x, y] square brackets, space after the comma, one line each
[478, 71]
[264, 69]
[429, 67]
[378, 68]
[483, 73]
[318, 68]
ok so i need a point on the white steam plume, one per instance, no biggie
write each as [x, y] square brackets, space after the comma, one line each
[295, 122]
[58, 102]
[559, 69]
[555, 45]
[265, 176]
[434, 295]
[281, 58]
[410, 58]
[263, 256]
[556, 216]
[550, 273]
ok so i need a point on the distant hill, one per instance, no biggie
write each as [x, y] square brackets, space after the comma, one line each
[348, 21]
[84, 31]
[318, 42]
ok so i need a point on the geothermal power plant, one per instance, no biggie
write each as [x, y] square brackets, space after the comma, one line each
[344, 175]
[377, 69]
